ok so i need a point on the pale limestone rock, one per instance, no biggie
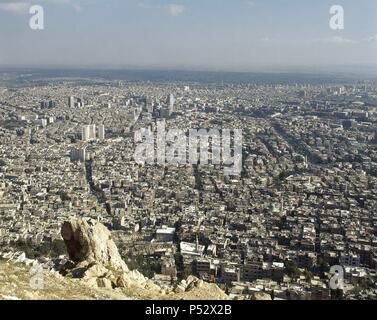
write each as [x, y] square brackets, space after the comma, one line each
[90, 241]
[95, 271]
[184, 283]
[149, 285]
[179, 289]
[136, 276]
[199, 283]
[261, 296]
[92, 282]
[123, 281]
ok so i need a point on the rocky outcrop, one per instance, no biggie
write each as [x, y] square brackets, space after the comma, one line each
[15, 280]
[89, 242]
[95, 259]
[94, 256]
[261, 296]
[193, 289]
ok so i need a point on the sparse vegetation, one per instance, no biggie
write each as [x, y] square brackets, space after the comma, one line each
[45, 249]
[147, 266]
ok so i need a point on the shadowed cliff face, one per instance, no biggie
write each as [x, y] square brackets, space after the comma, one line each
[74, 247]
[89, 242]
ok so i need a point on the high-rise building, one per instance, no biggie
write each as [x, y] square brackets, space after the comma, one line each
[171, 101]
[85, 133]
[44, 104]
[71, 102]
[92, 131]
[101, 132]
[165, 112]
[89, 132]
[75, 102]
[78, 154]
[150, 107]
[41, 122]
[51, 104]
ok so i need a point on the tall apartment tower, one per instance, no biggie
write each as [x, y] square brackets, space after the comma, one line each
[71, 102]
[85, 133]
[88, 132]
[101, 132]
[171, 101]
[92, 132]
[78, 154]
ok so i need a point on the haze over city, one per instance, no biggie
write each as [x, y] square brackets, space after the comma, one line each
[237, 35]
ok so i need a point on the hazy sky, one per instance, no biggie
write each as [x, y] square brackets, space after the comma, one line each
[201, 34]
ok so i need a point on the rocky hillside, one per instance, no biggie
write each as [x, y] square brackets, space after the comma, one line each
[95, 270]
[15, 285]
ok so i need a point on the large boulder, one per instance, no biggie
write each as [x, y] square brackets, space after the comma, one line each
[89, 242]
[94, 258]
[261, 296]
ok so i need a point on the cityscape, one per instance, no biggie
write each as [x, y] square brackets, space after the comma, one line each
[303, 202]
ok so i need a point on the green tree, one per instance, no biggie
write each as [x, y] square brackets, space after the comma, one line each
[292, 269]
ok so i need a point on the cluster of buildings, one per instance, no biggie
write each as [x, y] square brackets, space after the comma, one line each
[91, 132]
[304, 201]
